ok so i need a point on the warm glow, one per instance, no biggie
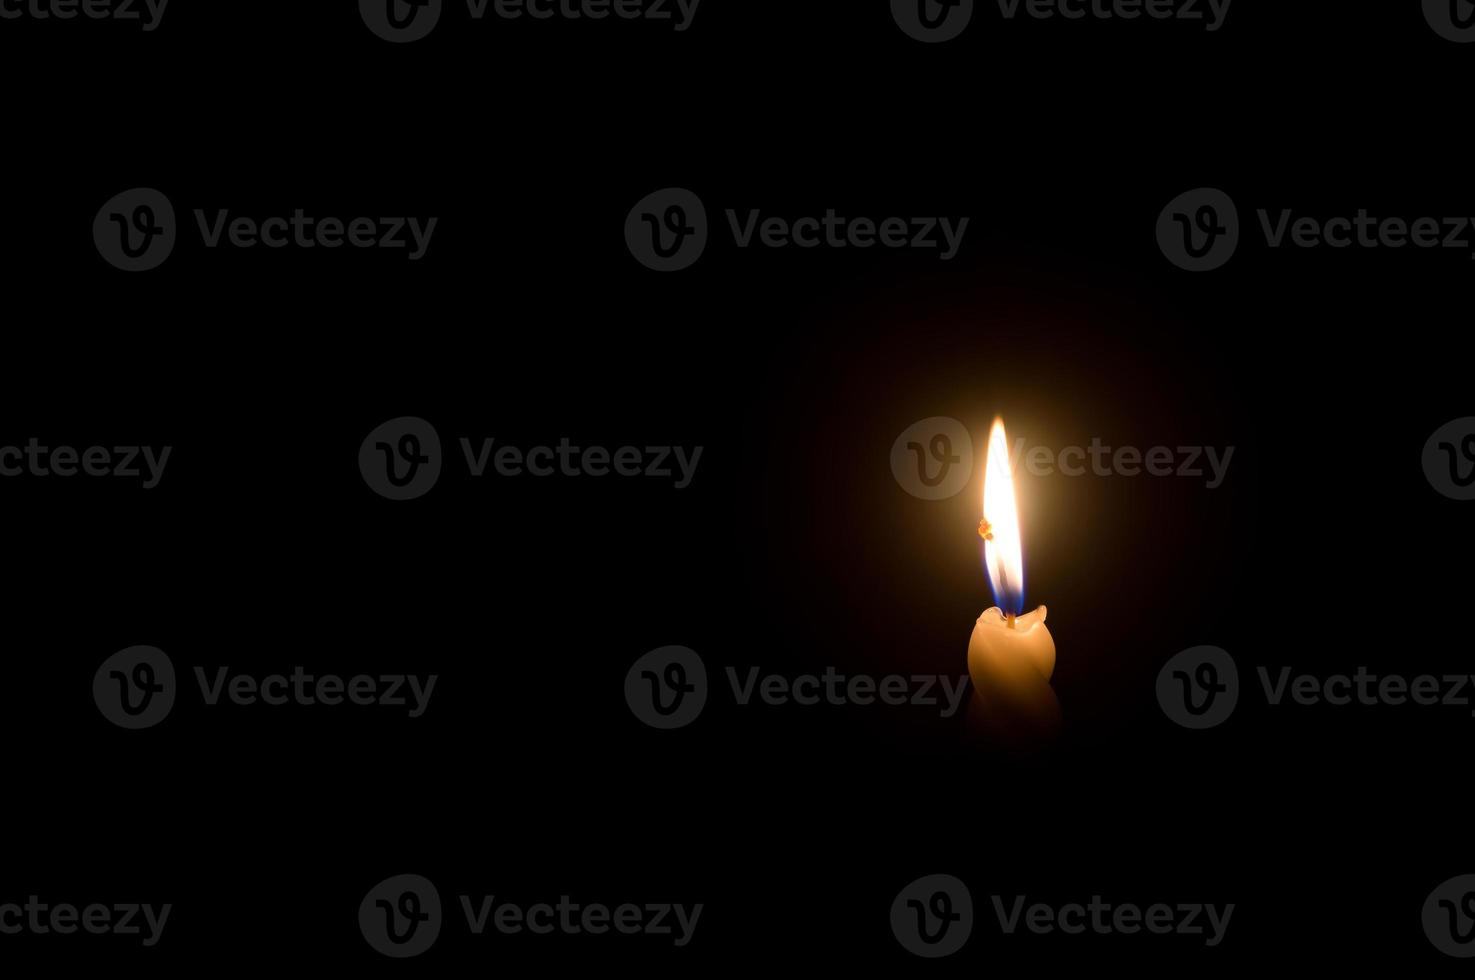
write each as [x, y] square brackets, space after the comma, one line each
[1002, 554]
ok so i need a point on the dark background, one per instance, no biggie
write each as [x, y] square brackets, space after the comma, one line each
[794, 548]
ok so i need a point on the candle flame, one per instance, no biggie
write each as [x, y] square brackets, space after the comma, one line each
[1002, 550]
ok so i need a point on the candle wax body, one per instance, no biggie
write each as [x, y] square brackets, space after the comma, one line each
[994, 643]
[1010, 669]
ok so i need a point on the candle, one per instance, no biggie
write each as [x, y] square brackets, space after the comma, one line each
[1011, 654]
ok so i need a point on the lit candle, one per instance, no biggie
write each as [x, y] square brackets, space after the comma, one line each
[1011, 655]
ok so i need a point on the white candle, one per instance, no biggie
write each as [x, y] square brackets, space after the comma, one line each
[1011, 657]
[1024, 641]
[1013, 702]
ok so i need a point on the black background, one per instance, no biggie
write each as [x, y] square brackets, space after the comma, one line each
[794, 548]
